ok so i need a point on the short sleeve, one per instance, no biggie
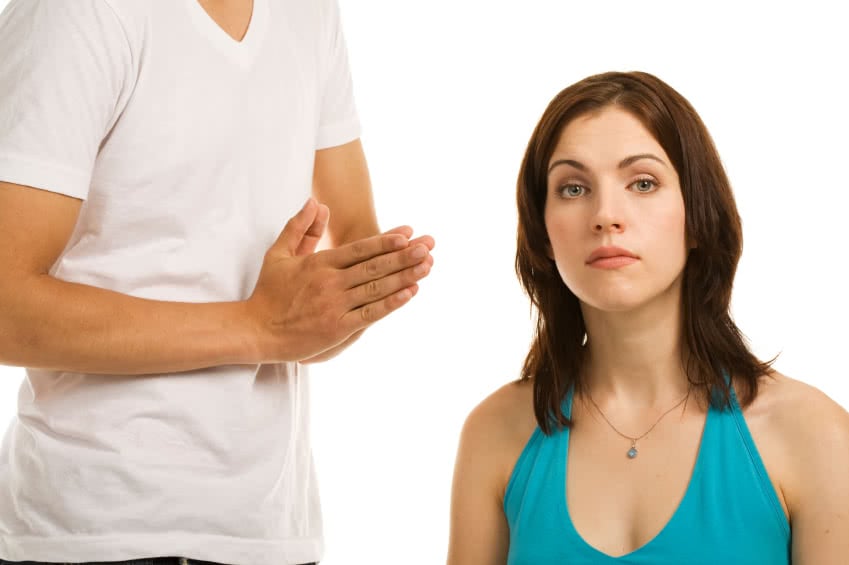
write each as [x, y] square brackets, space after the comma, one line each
[64, 69]
[338, 120]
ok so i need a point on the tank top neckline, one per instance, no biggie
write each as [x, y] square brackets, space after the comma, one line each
[563, 506]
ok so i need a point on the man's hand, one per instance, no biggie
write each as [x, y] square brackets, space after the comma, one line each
[337, 349]
[306, 304]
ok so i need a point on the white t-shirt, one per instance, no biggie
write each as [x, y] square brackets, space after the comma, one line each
[190, 151]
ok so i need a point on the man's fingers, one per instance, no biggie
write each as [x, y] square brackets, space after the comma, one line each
[314, 232]
[406, 231]
[425, 240]
[386, 264]
[360, 251]
[378, 289]
[370, 313]
[298, 225]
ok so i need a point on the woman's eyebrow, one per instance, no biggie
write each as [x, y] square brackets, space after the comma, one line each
[622, 164]
[634, 158]
[571, 162]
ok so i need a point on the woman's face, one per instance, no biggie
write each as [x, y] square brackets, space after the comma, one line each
[614, 212]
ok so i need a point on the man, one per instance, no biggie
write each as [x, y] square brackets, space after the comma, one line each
[149, 154]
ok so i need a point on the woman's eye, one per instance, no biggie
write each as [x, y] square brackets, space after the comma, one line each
[571, 190]
[644, 185]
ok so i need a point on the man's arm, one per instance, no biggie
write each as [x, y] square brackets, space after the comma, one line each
[52, 324]
[304, 303]
[341, 181]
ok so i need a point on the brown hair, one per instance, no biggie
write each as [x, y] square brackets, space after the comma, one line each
[715, 345]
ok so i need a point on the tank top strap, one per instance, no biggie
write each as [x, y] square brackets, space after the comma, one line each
[733, 465]
[539, 473]
[734, 416]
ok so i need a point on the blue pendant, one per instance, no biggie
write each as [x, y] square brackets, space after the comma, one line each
[632, 453]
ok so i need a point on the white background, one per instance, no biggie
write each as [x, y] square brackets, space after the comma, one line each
[448, 95]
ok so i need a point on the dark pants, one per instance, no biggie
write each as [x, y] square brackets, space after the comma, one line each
[148, 561]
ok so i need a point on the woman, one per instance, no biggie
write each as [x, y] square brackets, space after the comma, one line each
[643, 430]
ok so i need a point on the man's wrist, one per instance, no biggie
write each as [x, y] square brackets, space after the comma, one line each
[252, 346]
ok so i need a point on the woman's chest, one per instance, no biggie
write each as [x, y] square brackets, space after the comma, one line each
[618, 503]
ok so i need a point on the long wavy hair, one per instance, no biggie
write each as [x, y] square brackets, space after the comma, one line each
[714, 344]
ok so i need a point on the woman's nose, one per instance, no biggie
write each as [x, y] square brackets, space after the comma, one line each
[609, 213]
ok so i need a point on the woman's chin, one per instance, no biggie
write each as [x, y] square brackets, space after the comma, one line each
[618, 301]
[615, 307]
[621, 297]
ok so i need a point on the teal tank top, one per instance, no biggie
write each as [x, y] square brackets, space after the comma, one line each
[729, 514]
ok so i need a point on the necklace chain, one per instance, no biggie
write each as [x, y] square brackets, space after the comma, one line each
[632, 453]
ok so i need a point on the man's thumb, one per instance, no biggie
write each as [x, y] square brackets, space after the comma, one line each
[296, 228]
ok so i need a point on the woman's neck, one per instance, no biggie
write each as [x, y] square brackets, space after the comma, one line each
[636, 357]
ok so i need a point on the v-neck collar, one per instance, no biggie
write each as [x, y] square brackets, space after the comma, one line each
[689, 492]
[241, 52]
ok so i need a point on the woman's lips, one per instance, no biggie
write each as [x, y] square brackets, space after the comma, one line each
[614, 262]
[611, 257]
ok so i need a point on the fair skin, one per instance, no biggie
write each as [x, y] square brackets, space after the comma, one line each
[599, 194]
[306, 306]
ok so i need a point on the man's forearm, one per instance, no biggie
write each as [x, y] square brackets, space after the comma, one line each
[47, 323]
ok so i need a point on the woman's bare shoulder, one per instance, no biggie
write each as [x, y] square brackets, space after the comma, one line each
[791, 411]
[804, 430]
[785, 401]
[500, 426]
[509, 410]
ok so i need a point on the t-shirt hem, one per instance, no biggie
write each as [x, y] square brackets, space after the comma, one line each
[24, 170]
[221, 549]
